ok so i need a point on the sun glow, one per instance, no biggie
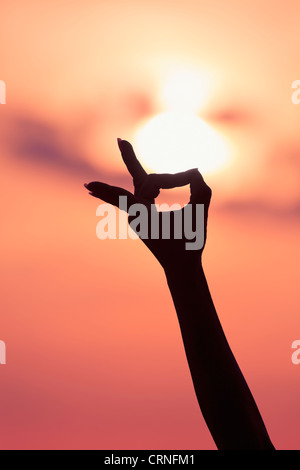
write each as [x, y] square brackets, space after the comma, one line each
[184, 89]
[177, 140]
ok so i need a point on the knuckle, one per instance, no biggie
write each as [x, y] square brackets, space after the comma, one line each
[208, 190]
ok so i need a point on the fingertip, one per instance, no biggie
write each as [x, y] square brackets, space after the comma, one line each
[119, 143]
[88, 186]
[126, 148]
[125, 144]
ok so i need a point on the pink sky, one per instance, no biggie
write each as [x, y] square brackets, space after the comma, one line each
[79, 75]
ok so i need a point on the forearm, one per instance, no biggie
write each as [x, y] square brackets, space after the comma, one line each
[222, 392]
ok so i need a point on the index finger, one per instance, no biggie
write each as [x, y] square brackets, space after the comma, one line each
[133, 165]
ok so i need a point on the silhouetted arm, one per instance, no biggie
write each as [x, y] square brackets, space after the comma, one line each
[224, 397]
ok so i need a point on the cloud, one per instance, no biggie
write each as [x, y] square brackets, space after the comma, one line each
[47, 145]
[259, 207]
[43, 144]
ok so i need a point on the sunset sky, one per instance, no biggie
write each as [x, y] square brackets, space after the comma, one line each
[94, 353]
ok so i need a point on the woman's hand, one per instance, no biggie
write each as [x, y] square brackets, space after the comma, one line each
[174, 248]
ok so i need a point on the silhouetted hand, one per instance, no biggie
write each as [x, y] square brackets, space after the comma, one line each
[174, 250]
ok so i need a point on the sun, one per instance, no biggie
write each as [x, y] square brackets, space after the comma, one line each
[177, 141]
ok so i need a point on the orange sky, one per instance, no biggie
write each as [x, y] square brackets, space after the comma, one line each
[79, 75]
